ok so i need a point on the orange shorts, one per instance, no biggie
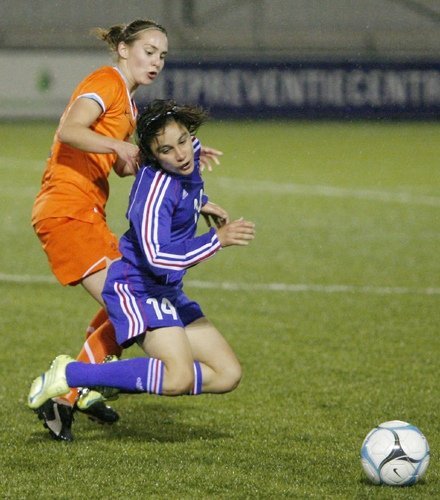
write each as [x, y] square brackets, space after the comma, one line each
[75, 248]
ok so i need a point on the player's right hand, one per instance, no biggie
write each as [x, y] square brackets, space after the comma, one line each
[128, 153]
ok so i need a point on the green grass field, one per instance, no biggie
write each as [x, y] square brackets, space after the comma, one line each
[333, 310]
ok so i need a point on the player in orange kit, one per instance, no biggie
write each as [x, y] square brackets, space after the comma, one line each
[93, 137]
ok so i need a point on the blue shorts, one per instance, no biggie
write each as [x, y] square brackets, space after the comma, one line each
[136, 304]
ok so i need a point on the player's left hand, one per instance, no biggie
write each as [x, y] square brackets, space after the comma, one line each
[217, 214]
[208, 156]
[123, 169]
[238, 232]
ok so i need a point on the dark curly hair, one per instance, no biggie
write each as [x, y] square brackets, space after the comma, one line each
[156, 116]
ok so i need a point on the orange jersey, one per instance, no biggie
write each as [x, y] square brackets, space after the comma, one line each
[75, 183]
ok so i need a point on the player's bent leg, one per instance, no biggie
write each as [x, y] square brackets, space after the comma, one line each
[99, 318]
[93, 403]
[221, 370]
[98, 347]
[171, 346]
[94, 283]
[100, 343]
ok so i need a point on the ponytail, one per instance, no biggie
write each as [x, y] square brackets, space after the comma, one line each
[127, 33]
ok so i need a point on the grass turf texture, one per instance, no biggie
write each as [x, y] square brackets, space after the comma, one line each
[335, 204]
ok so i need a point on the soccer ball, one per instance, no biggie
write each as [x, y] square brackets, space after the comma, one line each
[395, 453]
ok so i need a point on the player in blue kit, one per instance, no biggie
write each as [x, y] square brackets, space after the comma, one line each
[143, 293]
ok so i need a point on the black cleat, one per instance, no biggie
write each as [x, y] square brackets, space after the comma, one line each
[57, 418]
[101, 413]
[92, 404]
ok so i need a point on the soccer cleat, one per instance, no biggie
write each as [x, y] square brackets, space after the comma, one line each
[50, 384]
[88, 398]
[108, 393]
[92, 404]
[57, 418]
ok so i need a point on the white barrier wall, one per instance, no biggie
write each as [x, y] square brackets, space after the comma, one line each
[38, 84]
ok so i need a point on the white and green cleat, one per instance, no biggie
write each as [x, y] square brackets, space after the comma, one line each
[88, 398]
[51, 383]
[91, 402]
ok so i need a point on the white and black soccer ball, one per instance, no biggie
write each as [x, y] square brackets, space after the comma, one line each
[395, 453]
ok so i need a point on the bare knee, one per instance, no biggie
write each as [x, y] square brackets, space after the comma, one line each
[232, 376]
[226, 377]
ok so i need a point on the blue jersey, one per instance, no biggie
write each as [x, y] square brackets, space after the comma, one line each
[143, 289]
[163, 212]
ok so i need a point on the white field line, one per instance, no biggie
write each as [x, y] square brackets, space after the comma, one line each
[301, 287]
[248, 186]
[253, 186]
[258, 287]
[27, 279]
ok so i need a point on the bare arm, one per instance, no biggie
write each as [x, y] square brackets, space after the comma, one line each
[75, 131]
[123, 169]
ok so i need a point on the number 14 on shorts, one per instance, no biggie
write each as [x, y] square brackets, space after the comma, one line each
[162, 308]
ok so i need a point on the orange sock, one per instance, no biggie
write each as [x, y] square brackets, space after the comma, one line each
[100, 344]
[97, 321]
[97, 346]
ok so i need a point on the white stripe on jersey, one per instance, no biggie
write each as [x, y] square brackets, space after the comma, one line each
[130, 100]
[196, 144]
[188, 254]
[150, 226]
[150, 232]
[94, 97]
[158, 202]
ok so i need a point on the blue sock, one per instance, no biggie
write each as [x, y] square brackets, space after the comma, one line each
[197, 389]
[130, 375]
